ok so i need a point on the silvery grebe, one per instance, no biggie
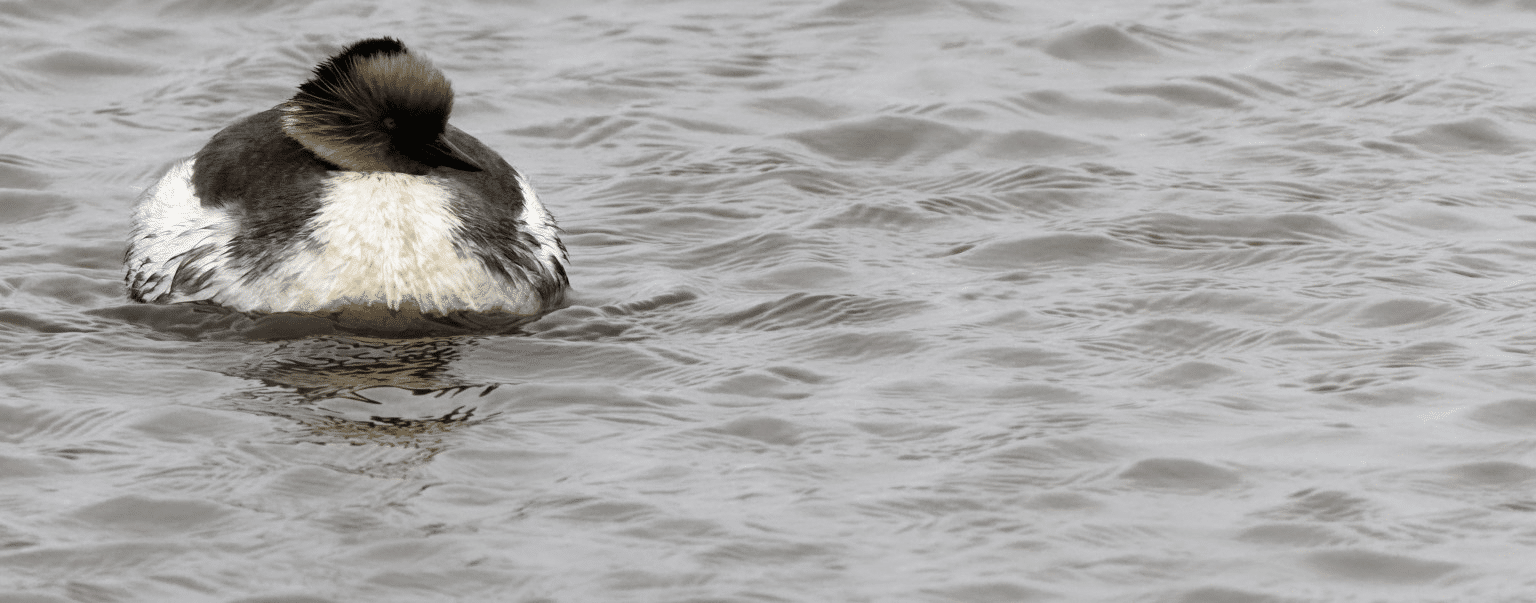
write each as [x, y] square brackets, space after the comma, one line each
[354, 194]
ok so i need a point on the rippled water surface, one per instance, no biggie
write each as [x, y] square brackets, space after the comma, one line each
[877, 300]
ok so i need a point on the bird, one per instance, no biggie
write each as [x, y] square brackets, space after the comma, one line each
[353, 197]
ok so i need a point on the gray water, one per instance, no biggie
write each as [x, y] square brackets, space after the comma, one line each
[907, 300]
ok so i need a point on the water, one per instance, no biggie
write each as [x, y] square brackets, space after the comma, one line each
[909, 300]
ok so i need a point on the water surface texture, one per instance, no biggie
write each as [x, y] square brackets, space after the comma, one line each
[876, 301]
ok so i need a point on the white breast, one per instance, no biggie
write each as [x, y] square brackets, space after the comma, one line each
[383, 238]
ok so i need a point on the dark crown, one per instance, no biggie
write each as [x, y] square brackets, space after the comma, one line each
[335, 71]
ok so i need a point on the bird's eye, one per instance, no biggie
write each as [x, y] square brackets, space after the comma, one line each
[389, 123]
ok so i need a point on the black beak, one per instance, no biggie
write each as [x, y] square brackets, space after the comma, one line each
[440, 152]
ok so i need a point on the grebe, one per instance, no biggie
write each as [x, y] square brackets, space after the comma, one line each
[353, 196]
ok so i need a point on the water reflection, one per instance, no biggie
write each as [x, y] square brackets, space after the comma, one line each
[341, 366]
[361, 390]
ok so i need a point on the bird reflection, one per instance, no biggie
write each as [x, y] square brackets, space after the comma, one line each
[360, 390]
[336, 366]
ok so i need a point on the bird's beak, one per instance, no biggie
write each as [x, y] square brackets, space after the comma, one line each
[440, 152]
